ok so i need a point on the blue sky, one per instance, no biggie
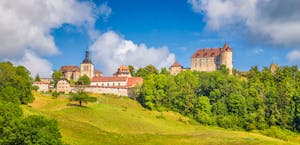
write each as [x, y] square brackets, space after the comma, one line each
[165, 23]
[174, 29]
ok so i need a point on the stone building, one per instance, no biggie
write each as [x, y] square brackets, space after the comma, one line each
[211, 59]
[63, 85]
[123, 71]
[86, 68]
[175, 68]
[43, 86]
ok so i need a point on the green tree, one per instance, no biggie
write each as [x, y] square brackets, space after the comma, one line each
[150, 69]
[19, 78]
[223, 69]
[84, 80]
[82, 97]
[56, 75]
[37, 78]
[38, 130]
[132, 70]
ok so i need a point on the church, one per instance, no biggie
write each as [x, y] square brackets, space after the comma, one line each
[121, 83]
[86, 68]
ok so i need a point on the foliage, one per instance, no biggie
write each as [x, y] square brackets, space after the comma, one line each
[148, 70]
[83, 80]
[263, 100]
[37, 78]
[82, 97]
[55, 94]
[56, 75]
[132, 70]
[15, 89]
[15, 81]
[35, 88]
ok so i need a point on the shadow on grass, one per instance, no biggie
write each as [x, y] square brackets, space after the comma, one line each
[76, 105]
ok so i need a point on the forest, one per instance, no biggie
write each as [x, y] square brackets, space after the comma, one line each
[254, 100]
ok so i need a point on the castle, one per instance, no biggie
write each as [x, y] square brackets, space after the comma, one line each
[208, 59]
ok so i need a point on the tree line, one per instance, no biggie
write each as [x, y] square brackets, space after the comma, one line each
[15, 128]
[258, 100]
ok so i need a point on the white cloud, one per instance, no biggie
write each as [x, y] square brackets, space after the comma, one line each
[274, 21]
[293, 55]
[25, 27]
[111, 50]
[35, 64]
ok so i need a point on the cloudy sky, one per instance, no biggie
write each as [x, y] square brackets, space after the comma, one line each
[43, 35]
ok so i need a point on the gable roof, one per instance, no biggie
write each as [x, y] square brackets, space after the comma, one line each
[109, 79]
[132, 81]
[97, 71]
[211, 52]
[69, 68]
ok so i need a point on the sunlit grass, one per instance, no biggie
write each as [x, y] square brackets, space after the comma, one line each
[120, 120]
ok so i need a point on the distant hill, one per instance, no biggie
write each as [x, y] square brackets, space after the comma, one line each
[120, 120]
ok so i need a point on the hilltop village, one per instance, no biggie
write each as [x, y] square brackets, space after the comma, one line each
[121, 82]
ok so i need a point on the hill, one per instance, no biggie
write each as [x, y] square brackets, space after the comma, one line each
[120, 120]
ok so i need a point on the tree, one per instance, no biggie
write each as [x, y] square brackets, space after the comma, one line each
[164, 71]
[149, 69]
[15, 89]
[56, 75]
[82, 97]
[84, 80]
[132, 70]
[19, 78]
[224, 69]
[37, 78]
[38, 130]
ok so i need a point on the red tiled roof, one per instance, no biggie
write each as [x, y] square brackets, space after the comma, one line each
[176, 64]
[40, 83]
[211, 52]
[132, 81]
[69, 68]
[109, 79]
[97, 71]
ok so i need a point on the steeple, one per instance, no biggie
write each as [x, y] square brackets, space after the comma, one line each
[87, 57]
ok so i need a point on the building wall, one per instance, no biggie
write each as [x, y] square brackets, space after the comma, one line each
[63, 86]
[109, 84]
[43, 87]
[175, 70]
[226, 59]
[104, 90]
[87, 69]
[204, 63]
[72, 75]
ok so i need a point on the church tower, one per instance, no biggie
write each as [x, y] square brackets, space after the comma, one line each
[87, 67]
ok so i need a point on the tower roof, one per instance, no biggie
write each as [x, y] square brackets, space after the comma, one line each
[87, 57]
[176, 64]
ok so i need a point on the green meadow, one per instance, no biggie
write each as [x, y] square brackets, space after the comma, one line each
[121, 120]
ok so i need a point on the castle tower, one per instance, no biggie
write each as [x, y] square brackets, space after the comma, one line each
[226, 57]
[87, 67]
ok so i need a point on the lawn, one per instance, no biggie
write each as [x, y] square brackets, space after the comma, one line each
[120, 120]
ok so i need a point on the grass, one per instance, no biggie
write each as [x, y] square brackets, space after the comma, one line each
[120, 120]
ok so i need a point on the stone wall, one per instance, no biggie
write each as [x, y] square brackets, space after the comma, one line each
[105, 90]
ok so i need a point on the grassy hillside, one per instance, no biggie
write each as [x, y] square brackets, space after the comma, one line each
[120, 120]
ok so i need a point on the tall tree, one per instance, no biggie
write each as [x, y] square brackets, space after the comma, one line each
[37, 78]
[56, 75]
